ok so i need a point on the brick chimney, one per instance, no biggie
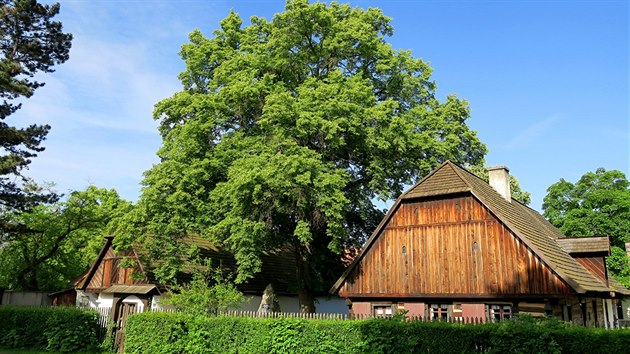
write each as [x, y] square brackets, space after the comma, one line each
[499, 179]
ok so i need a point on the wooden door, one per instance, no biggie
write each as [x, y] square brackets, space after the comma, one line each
[122, 312]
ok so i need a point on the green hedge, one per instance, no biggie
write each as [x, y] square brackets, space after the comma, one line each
[57, 329]
[179, 333]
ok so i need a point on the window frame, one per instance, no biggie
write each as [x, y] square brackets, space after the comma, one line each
[444, 311]
[501, 314]
[385, 306]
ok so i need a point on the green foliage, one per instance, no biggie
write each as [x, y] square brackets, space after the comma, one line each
[155, 332]
[30, 43]
[286, 131]
[48, 328]
[209, 291]
[515, 187]
[618, 264]
[177, 333]
[54, 244]
[597, 205]
[107, 345]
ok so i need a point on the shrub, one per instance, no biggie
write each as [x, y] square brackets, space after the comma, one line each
[155, 332]
[178, 333]
[48, 328]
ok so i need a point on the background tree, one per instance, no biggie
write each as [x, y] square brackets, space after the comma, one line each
[286, 131]
[52, 245]
[598, 204]
[30, 42]
[517, 193]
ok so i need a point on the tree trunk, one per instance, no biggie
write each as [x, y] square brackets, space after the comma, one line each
[307, 300]
[305, 294]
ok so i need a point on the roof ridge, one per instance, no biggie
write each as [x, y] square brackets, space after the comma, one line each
[458, 170]
[424, 178]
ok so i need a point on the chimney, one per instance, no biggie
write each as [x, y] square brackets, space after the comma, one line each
[628, 249]
[499, 179]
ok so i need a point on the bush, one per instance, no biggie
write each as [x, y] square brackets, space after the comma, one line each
[155, 332]
[48, 328]
[179, 333]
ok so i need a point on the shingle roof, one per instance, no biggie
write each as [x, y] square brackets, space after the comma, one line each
[614, 284]
[278, 267]
[130, 289]
[585, 244]
[536, 232]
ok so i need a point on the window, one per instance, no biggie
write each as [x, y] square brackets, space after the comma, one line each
[84, 301]
[499, 312]
[382, 310]
[439, 312]
[457, 311]
[567, 314]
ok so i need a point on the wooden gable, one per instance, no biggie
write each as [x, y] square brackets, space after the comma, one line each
[106, 271]
[591, 252]
[449, 246]
[594, 264]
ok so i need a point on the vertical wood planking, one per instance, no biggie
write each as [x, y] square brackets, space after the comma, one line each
[438, 237]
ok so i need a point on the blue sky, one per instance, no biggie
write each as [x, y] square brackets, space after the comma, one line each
[547, 82]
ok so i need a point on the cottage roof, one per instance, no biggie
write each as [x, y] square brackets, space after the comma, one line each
[527, 224]
[278, 267]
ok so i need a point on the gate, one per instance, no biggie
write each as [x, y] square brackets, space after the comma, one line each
[123, 310]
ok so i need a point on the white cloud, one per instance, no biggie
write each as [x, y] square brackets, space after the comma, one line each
[99, 105]
[528, 136]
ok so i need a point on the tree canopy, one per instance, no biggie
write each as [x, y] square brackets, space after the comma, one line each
[30, 43]
[598, 204]
[285, 132]
[52, 245]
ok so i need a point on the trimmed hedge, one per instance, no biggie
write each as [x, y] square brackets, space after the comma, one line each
[59, 329]
[180, 333]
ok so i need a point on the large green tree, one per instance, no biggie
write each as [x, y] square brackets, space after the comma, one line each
[597, 204]
[285, 133]
[51, 245]
[30, 43]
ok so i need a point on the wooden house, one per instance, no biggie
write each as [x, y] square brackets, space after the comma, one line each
[108, 285]
[455, 247]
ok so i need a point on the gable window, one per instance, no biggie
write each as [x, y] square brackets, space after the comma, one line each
[439, 312]
[499, 312]
[382, 310]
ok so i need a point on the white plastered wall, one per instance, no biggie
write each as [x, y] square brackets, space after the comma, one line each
[132, 299]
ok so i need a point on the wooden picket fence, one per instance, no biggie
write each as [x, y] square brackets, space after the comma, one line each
[309, 316]
[103, 319]
[338, 316]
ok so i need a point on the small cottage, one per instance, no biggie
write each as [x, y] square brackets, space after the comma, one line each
[455, 247]
[108, 285]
